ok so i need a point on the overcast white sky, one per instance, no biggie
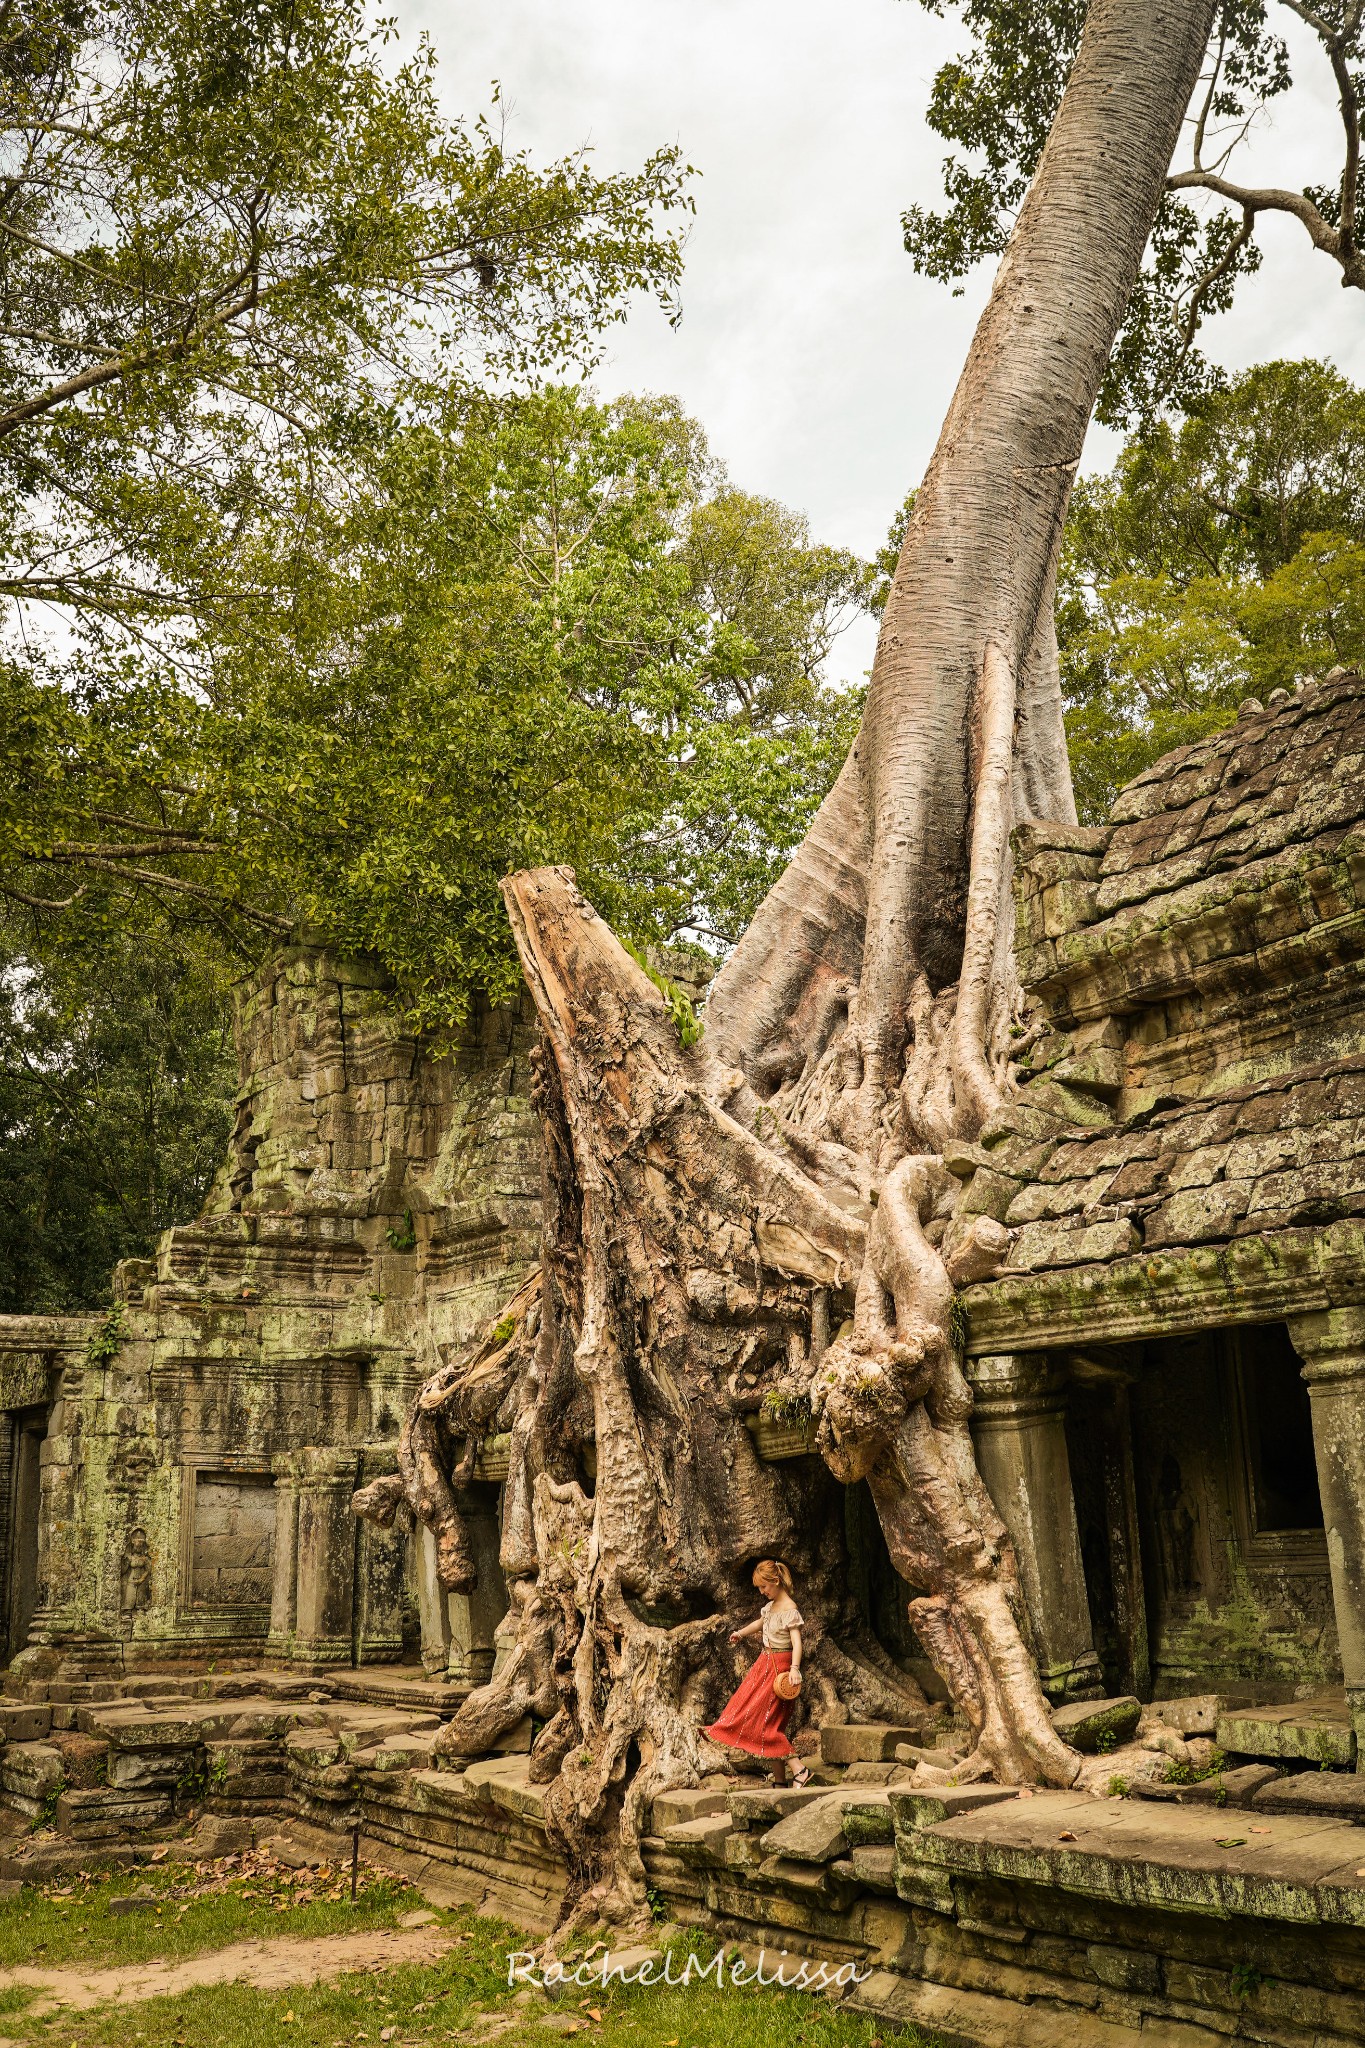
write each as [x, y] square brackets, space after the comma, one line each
[817, 361]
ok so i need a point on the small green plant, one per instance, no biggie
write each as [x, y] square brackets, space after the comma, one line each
[1195, 1774]
[1118, 1788]
[192, 1784]
[780, 1406]
[1106, 1742]
[685, 1020]
[404, 1240]
[654, 1899]
[957, 1326]
[1246, 1980]
[46, 1816]
[110, 1337]
[218, 1772]
[505, 1330]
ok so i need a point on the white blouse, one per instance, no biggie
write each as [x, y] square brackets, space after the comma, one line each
[777, 1635]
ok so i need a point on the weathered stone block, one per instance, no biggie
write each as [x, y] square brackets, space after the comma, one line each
[911, 1810]
[864, 1742]
[136, 1770]
[761, 1807]
[1313, 1731]
[875, 1866]
[1040, 1245]
[1125, 1969]
[673, 1808]
[31, 1768]
[701, 1840]
[815, 1834]
[1340, 1794]
[1237, 1787]
[25, 1724]
[1090, 1725]
[1194, 1715]
[867, 1818]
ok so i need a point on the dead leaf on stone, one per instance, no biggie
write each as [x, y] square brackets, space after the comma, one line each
[1231, 1842]
[1066, 1836]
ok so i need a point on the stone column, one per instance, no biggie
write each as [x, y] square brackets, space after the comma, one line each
[1018, 1425]
[280, 1641]
[1331, 1344]
[324, 1560]
[433, 1606]
[474, 1617]
[381, 1571]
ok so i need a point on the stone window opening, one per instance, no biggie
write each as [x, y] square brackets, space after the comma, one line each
[1280, 1469]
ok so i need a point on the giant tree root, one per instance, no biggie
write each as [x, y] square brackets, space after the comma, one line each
[693, 1267]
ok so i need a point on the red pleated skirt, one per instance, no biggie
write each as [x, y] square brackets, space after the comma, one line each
[754, 1719]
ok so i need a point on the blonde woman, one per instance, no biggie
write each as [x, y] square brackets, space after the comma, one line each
[754, 1718]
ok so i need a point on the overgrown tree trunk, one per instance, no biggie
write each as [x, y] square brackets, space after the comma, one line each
[712, 1214]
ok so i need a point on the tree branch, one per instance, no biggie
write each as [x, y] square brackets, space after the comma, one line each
[1272, 199]
[116, 367]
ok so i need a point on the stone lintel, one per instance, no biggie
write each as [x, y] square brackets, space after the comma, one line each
[1284, 1275]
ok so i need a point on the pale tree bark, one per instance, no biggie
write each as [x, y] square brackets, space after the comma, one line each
[713, 1216]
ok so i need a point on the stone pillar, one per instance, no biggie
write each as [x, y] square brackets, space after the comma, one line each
[280, 1641]
[1331, 1344]
[1018, 1425]
[459, 1630]
[381, 1573]
[433, 1606]
[474, 1617]
[324, 1558]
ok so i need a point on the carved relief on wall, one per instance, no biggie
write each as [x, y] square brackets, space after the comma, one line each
[1177, 1523]
[135, 1573]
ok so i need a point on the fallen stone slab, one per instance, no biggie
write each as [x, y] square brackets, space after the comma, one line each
[132, 1728]
[1237, 1787]
[701, 1840]
[825, 1884]
[1338, 1793]
[1197, 1714]
[688, 1803]
[913, 1753]
[771, 1803]
[506, 1781]
[865, 1742]
[813, 1834]
[1092, 1725]
[925, 1809]
[1315, 1731]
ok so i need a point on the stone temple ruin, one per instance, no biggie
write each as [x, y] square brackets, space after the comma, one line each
[1169, 1379]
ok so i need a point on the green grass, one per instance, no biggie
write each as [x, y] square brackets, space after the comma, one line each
[58, 1924]
[457, 1999]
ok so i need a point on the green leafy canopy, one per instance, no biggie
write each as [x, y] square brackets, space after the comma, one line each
[1222, 558]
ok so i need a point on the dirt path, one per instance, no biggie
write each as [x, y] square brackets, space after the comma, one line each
[269, 1964]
